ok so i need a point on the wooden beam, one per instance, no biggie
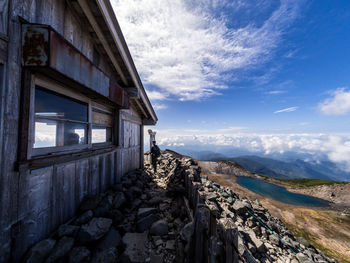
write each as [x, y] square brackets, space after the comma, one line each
[111, 21]
[148, 122]
[133, 92]
[85, 7]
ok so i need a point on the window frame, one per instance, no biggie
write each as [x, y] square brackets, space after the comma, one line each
[53, 86]
[103, 110]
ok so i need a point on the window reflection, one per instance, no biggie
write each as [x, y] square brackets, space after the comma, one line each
[59, 133]
[59, 121]
[52, 105]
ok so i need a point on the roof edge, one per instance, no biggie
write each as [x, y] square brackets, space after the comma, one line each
[115, 30]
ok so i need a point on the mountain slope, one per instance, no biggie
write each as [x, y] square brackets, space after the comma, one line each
[279, 169]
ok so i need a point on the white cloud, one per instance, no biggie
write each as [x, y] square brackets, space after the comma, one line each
[156, 95]
[275, 92]
[286, 110]
[157, 106]
[337, 104]
[335, 147]
[183, 50]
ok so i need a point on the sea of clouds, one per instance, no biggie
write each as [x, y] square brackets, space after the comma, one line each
[335, 147]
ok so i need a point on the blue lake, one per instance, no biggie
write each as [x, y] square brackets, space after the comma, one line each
[279, 193]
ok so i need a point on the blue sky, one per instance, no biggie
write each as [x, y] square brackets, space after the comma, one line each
[265, 75]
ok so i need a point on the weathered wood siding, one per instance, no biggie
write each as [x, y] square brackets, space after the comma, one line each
[34, 202]
[50, 196]
[3, 16]
[130, 127]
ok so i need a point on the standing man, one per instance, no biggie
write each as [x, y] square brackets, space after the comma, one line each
[155, 153]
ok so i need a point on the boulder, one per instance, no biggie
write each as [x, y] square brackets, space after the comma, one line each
[135, 191]
[62, 247]
[40, 251]
[79, 255]
[84, 218]
[111, 239]
[143, 212]
[135, 247]
[106, 256]
[116, 216]
[94, 230]
[187, 232]
[145, 223]
[274, 240]
[260, 246]
[303, 258]
[119, 200]
[159, 228]
[241, 207]
[67, 230]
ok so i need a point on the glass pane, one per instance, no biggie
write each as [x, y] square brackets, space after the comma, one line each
[51, 104]
[101, 134]
[51, 133]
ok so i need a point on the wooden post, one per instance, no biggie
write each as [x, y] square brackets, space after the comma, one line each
[213, 249]
[212, 230]
[200, 241]
[230, 240]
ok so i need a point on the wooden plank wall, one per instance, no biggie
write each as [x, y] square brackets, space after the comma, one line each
[50, 196]
[3, 16]
[131, 126]
[33, 203]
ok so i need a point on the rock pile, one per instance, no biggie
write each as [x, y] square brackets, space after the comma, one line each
[147, 218]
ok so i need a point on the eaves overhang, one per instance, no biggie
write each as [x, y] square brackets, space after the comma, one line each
[115, 42]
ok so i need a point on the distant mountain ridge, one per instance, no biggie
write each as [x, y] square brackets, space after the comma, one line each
[292, 169]
[290, 165]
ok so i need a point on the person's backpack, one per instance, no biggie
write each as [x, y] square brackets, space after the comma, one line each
[156, 151]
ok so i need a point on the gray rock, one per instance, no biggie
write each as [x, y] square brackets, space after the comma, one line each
[303, 241]
[187, 232]
[67, 230]
[119, 200]
[159, 228]
[142, 212]
[156, 258]
[62, 247]
[303, 258]
[135, 191]
[84, 218]
[116, 216]
[135, 247]
[145, 223]
[155, 200]
[170, 244]
[240, 207]
[102, 209]
[90, 203]
[106, 256]
[79, 255]
[40, 251]
[260, 246]
[212, 196]
[274, 240]
[248, 256]
[94, 230]
[111, 239]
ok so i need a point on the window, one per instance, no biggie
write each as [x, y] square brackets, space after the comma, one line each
[65, 121]
[102, 122]
[59, 120]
